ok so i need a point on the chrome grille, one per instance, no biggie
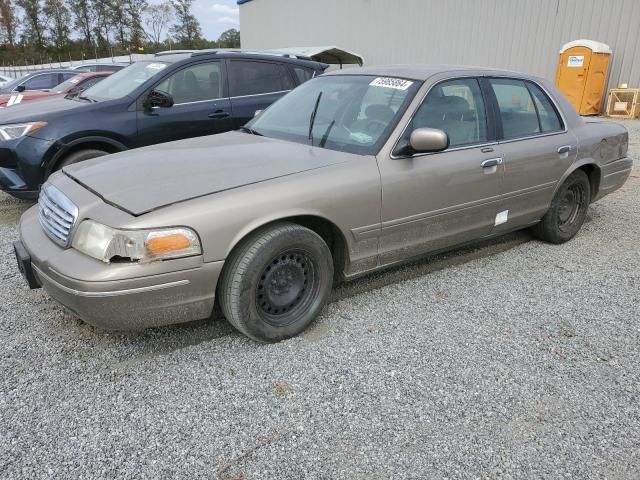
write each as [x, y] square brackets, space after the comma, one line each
[57, 214]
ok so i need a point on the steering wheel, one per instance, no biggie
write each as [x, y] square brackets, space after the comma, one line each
[375, 126]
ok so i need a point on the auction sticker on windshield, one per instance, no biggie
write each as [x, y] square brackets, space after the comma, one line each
[156, 66]
[389, 82]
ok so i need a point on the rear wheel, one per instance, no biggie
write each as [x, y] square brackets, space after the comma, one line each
[80, 156]
[276, 282]
[568, 210]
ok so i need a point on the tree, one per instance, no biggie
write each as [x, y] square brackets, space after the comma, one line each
[102, 23]
[187, 28]
[59, 22]
[8, 23]
[83, 17]
[156, 19]
[134, 10]
[35, 21]
[229, 39]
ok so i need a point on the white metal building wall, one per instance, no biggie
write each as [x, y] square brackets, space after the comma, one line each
[523, 35]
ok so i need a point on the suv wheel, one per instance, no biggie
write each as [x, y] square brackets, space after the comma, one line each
[80, 156]
[276, 282]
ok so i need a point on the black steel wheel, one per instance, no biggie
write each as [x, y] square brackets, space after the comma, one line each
[276, 282]
[568, 210]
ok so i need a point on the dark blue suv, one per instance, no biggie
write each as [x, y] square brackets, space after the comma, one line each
[168, 97]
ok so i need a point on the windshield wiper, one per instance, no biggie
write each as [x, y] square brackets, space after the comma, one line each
[313, 117]
[250, 130]
[324, 138]
[91, 100]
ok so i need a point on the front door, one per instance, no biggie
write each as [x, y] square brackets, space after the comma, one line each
[436, 200]
[201, 106]
[535, 147]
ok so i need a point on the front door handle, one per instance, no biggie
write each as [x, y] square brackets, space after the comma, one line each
[564, 149]
[219, 114]
[492, 162]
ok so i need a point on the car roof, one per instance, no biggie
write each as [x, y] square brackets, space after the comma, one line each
[51, 70]
[419, 72]
[169, 57]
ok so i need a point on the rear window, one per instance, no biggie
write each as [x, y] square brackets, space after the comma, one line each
[254, 78]
[303, 74]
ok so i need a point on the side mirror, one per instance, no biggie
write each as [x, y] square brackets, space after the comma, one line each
[158, 99]
[424, 140]
[20, 88]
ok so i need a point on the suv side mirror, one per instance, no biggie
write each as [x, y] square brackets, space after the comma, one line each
[20, 88]
[158, 99]
[424, 140]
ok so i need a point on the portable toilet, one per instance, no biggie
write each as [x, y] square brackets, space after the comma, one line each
[582, 74]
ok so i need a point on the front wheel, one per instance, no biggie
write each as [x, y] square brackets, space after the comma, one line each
[276, 282]
[568, 210]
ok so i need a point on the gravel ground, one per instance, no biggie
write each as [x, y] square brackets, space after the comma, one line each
[511, 359]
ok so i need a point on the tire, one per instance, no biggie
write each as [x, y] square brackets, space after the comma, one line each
[568, 210]
[80, 156]
[276, 282]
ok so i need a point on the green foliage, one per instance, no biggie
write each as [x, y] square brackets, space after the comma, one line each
[50, 31]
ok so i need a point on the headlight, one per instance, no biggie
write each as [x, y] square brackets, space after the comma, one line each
[17, 130]
[106, 243]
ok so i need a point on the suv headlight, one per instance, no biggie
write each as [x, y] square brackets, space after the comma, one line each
[106, 243]
[17, 130]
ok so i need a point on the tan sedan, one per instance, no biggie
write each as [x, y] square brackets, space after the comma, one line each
[349, 173]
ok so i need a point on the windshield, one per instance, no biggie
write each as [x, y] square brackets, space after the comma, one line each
[349, 113]
[72, 82]
[13, 83]
[125, 81]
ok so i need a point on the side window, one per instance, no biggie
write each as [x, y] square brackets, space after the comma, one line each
[303, 74]
[549, 118]
[67, 76]
[195, 83]
[253, 78]
[457, 108]
[42, 81]
[517, 110]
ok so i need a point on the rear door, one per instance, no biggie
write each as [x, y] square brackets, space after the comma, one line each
[254, 85]
[201, 105]
[535, 146]
[436, 200]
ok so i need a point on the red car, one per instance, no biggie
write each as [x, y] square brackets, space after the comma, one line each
[75, 85]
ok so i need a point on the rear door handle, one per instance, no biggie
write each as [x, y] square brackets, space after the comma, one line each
[492, 162]
[564, 149]
[219, 114]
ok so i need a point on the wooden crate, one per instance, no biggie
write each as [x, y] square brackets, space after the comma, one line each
[623, 103]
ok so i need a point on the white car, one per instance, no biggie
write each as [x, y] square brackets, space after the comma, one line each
[4, 79]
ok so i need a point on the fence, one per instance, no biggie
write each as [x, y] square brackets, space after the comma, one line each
[15, 71]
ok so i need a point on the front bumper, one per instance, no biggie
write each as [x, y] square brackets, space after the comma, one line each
[23, 165]
[152, 295]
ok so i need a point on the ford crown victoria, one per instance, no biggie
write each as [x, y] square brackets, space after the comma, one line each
[349, 173]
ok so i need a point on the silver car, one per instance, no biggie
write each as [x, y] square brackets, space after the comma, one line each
[349, 173]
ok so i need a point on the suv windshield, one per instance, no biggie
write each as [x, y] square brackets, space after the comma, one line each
[349, 113]
[125, 81]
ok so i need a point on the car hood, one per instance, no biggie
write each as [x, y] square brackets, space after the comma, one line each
[35, 111]
[26, 95]
[142, 180]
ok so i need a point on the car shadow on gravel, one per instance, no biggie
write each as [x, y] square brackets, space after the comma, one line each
[166, 340]
[12, 208]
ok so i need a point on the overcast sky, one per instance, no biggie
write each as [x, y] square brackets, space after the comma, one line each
[216, 16]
